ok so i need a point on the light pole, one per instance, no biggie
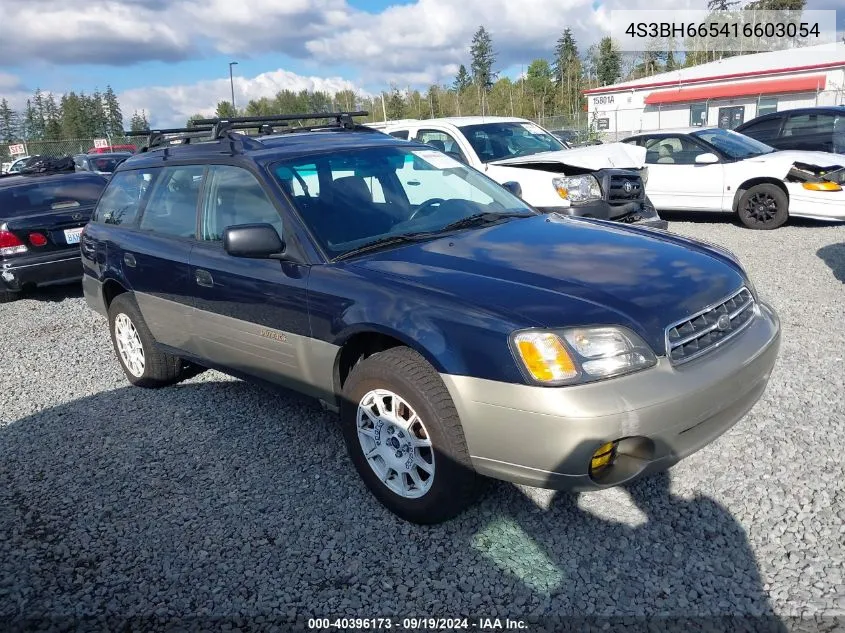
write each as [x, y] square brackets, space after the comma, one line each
[232, 84]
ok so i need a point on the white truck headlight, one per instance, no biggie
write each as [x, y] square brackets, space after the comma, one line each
[577, 188]
[578, 355]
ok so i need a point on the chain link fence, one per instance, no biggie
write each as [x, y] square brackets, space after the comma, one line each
[65, 147]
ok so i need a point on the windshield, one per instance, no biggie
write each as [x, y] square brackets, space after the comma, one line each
[736, 146]
[495, 141]
[351, 198]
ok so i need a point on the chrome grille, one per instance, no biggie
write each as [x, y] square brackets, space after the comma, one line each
[703, 332]
[624, 188]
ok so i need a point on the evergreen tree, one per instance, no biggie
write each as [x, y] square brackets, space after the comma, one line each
[609, 62]
[721, 5]
[539, 79]
[139, 122]
[114, 116]
[567, 72]
[8, 133]
[38, 122]
[483, 58]
[29, 125]
[462, 80]
[53, 123]
[395, 105]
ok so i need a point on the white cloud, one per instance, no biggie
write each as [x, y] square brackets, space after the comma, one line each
[171, 106]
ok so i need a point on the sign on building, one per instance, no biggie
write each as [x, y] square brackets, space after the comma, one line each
[17, 150]
[101, 142]
[603, 124]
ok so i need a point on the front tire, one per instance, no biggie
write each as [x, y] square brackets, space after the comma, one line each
[763, 207]
[405, 439]
[142, 362]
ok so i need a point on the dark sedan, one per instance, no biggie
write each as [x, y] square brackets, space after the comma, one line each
[820, 129]
[41, 219]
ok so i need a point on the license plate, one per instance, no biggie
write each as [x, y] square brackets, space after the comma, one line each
[72, 235]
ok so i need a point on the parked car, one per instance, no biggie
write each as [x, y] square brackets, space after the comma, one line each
[723, 171]
[103, 164]
[820, 129]
[458, 332]
[19, 163]
[605, 182]
[41, 219]
[130, 148]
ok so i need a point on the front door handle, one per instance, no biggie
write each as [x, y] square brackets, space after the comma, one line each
[203, 278]
[129, 260]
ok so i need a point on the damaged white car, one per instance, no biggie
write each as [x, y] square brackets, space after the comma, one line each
[600, 181]
[724, 171]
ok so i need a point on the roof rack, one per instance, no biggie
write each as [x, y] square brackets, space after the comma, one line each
[218, 129]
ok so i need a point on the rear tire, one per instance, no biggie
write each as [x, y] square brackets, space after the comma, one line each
[136, 350]
[763, 207]
[405, 439]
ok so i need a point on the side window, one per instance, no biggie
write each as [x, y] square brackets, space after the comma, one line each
[172, 205]
[122, 198]
[234, 196]
[403, 134]
[802, 124]
[671, 150]
[443, 142]
[764, 130]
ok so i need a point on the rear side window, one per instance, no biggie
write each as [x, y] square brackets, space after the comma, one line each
[122, 199]
[39, 196]
[800, 124]
[764, 130]
[403, 134]
[172, 205]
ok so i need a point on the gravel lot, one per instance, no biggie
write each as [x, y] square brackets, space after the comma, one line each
[217, 498]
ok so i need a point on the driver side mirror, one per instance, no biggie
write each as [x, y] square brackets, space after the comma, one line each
[707, 158]
[514, 187]
[254, 241]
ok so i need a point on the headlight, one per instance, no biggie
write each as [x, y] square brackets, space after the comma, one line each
[577, 355]
[644, 175]
[577, 188]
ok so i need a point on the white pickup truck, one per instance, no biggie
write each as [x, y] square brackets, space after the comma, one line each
[601, 181]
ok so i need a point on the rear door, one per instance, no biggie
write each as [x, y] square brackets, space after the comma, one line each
[46, 214]
[155, 257]
[250, 315]
[808, 131]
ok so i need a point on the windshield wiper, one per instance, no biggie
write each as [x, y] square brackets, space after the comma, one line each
[382, 242]
[482, 219]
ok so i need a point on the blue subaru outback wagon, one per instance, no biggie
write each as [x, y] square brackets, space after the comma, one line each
[458, 332]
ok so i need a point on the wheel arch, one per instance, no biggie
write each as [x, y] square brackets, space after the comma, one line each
[753, 182]
[111, 289]
[365, 340]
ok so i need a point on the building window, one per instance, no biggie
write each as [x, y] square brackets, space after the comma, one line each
[767, 105]
[698, 114]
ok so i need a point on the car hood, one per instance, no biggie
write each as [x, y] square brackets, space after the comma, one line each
[553, 271]
[594, 157]
[782, 161]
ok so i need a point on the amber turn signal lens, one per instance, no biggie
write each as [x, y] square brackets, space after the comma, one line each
[545, 357]
[822, 186]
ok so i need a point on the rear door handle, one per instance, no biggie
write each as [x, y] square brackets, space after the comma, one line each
[203, 278]
[129, 260]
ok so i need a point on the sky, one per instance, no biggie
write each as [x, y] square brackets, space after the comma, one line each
[171, 57]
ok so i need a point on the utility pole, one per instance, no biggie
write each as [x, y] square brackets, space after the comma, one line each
[232, 85]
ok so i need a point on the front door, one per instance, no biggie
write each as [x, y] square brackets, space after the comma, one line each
[250, 315]
[676, 181]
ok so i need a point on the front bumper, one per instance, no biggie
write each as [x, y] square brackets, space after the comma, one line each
[40, 270]
[546, 436]
[639, 213]
[816, 205]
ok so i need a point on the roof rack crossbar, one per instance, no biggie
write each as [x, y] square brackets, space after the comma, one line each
[339, 117]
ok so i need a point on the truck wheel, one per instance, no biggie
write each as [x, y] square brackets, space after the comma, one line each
[405, 438]
[763, 207]
[142, 362]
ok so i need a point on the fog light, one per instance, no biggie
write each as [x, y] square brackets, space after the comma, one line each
[603, 457]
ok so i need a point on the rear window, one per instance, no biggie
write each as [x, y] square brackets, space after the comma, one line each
[38, 196]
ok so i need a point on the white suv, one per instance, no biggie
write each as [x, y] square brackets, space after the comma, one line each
[601, 181]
